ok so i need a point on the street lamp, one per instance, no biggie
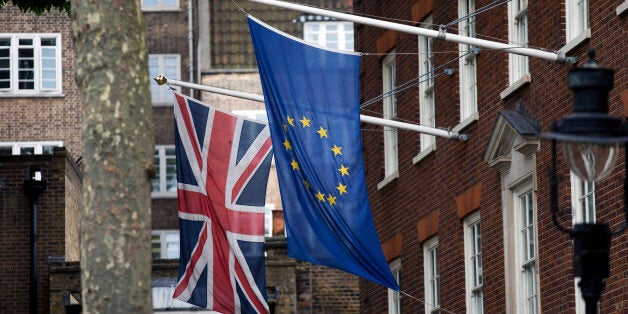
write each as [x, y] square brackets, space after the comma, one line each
[590, 138]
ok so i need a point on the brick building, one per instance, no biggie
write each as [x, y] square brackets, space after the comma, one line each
[186, 40]
[59, 214]
[467, 226]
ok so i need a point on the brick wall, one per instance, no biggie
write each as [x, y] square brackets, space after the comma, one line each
[43, 118]
[304, 288]
[15, 217]
[434, 183]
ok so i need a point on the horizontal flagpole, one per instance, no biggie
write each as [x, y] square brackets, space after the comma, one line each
[161, 80]
[482, 43]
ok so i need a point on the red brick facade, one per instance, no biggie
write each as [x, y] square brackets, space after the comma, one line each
[455, 181]
[58, 221]
[43, 118]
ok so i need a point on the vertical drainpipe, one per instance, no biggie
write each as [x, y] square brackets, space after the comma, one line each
[33, 187]
[191, 44]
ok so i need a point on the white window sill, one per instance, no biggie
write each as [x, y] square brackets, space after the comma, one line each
[31, 95]
[160, 9]
[576, 42]
[622, 8]
[163, 194]
[424, 153]
[520, 83]
[387, 180]
[466, 122]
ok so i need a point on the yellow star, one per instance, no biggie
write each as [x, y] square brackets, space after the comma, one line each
[320, 196]
[337, 150]
[322, 132]
[344, 170]
[285, 127]
[307, 185]
[331, 199]
[305, 121]
[286, 143]
[290, 120]
[341, 188]
[295, 165]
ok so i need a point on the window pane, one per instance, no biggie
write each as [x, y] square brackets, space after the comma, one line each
[5, 42]
[25, 53]
[48, 53]
[171, 175]
[6, 151]
[27, 150]
[155, 181]
[25, 42]
[48, 41]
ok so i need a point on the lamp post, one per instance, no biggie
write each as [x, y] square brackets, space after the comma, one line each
[590, 138]
[34, 185]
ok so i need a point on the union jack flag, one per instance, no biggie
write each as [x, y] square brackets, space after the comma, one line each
[222, 171]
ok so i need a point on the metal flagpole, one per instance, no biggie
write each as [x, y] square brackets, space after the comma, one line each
[161, 80]
[441, 34]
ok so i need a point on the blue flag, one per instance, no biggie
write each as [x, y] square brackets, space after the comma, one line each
[312, 101]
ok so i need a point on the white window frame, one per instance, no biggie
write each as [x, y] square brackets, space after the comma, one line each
[322, 34]
[166, 237]
[38, 65]
[518, 67]
[473, 263]
[427, 107]
[576, 18]
[391, 141]
[162, 173]
[583, 211]
[38, 147]
[528, 296]
[268, 219]
[252, 114]
[394, 297]
[160, 6]
[467, 66]
[431, 275]
[162, 95]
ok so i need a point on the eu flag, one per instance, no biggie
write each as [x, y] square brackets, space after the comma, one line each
[312, 101]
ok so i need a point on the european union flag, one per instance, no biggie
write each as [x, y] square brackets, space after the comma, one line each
[312, 101]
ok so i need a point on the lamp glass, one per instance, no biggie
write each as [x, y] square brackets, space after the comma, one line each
[591, 162]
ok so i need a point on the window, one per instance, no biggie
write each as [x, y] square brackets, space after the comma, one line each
[268, 219]
[258, 115]
[583, 211]
[583, 200]
[160, 5]
[28, 148]
[30, 64]
[528, 297]
[577, 18]
[518, 35]
[390, 112]
[394, 297]
[170, 67]
[427, 112]
[165, 181]
[334, 35]
[473, 263]
[468, 80]
[165, 244]
[432, 276]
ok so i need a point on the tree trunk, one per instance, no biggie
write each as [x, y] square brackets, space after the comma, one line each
[118, 142]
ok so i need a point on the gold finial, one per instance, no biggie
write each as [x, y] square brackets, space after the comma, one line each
[160, 79]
